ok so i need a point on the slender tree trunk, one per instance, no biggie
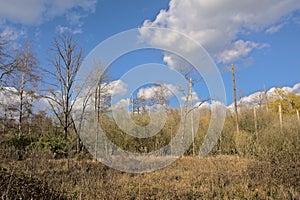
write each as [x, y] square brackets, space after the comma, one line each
[192, 120]
[20, 125]
[4, 120]
[298, 116]
[298, 121]
[255, 121]
[20, 116]
[77, 132]
[97, 118]
[280, 117]
[66, 115]
[132, 106]
[235, 100]
[266, 99]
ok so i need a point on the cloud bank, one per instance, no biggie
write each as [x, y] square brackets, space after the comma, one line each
[35, 12]
[217, 25]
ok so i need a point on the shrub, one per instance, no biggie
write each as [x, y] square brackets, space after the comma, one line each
[56, 144]
[19, 143]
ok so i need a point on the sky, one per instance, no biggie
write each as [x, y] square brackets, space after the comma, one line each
[260, 37]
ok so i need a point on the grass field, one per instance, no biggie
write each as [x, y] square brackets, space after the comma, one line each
[245, 165]
[219, 177]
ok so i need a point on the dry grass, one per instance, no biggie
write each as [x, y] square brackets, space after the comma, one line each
[220, 177]
[250, 165]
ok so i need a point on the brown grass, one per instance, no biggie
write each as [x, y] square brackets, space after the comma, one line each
[250, 165]
[220, 177]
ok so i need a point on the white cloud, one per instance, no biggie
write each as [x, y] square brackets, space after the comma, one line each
[32, 12]
[11, 33]
[216, 24]
[8, 95]
[74, 18]
[121, 105]
[257, 98]
[295, 89]
[239, 49]
[9, 98]
[195, 98]
[117, 87]
[27, 12]
[63, 29]
[149, 92]
[274, 29]
[176, 62]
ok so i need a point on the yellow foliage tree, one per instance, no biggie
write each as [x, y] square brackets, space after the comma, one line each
[289, 102]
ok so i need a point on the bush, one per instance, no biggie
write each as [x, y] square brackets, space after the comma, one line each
[19, 143]
[56, 144]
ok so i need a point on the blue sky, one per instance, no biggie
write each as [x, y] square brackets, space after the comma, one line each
[262, 39]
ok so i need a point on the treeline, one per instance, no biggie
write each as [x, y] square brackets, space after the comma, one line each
[263, 139]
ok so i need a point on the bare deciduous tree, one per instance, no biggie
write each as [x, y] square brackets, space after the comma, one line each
[25, 80]
[102, 93]
[66, 60]
[92, 96]
[6, 60]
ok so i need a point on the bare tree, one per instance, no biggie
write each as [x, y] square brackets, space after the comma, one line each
[101, 99]
[161, 96]
[66, 60]
[6, 60]
[192, 77]
[81, 106]
[102, 93]
[91, 98]
[6, 68]
[25, 81]
[141, 104]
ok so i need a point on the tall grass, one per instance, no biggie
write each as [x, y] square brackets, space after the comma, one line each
[254, 164]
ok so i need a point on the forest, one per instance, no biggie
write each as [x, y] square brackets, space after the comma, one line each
[42, 155]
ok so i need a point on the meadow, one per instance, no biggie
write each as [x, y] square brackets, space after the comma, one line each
[259, 162]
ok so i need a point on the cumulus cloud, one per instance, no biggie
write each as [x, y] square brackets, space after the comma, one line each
[176, 62]
[195, 98]
[217, 24]
[122, 104]
[257, 98]
[9, 99]
[117, 87]
[148, 93]
[33, 12]
[239, 49]
[289, 90]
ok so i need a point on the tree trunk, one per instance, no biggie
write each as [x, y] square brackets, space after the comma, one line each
[266, 99]
[280, 117]
[255, 121]
[192, 120]
[20, 125]
[235, 100]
